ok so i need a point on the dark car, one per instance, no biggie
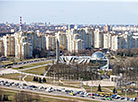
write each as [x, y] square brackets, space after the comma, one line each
[102, 98]
[122, 98]
[81, 95]
[32, 86]
[92, 97]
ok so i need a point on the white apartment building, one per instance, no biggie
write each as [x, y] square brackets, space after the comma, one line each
[9, 45]
[82, 33]
[50, 42]
[123, 41]
[32, 36]
[88, 40]
[1, 47]
[69, 40]
[78, 45]
[85, 35]
[23, 45]
[41, 42]
[75, 43]
[92, 37]
[107, 40]
[62, 38]
[26, 50]
[98, 39]
[135, 37]
[115, 42]
[127, 41]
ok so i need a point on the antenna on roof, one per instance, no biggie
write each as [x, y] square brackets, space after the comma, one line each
[20, 24]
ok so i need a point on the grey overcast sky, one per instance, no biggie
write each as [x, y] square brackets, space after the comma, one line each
[69, 11]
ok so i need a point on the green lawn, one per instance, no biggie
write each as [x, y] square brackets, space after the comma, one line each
[60, 84]
[132, 94]
[5, 62]
[29, 78]
[88, 88]
[71, 82]
[39, 71]
[51, 81]
[14, 76]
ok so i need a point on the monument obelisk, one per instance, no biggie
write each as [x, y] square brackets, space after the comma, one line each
[57, 51]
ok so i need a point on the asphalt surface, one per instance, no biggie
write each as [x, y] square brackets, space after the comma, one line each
[21, 65]
[57, 95]
[53, 94]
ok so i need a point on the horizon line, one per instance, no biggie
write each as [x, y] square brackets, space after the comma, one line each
[76, 0]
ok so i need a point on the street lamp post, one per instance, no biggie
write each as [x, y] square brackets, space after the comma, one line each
[136, 93]
[20, 78]
[81, 82]
[91, 88]
[54, 77]
[126, 95]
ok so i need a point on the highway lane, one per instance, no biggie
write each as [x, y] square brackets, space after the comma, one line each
[46, 96]
[53, 95]
[21, 65]
[24, 63]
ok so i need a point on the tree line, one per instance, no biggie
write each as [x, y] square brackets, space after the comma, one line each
[40, 80]
[128, 52]
[3, 96]
[128, 68]
[39, 53]
[74, 72]
[23, 96]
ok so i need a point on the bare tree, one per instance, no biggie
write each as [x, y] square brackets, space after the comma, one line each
[23, 97]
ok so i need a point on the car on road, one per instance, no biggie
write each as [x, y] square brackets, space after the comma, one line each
[82, 95]
[127, 99]
[91, 94]
[117, 97]
[41, 87]
[32, 87]
[122, 98]
[113, 96]
[103, 99]
[9, 66]
[108, 98]
[92, 97]
[134, 99]
[71, 93]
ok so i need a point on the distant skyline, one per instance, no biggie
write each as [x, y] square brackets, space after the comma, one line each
[70, 12]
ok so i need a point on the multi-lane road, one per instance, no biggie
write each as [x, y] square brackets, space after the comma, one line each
[49, 91]
[55, 91]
